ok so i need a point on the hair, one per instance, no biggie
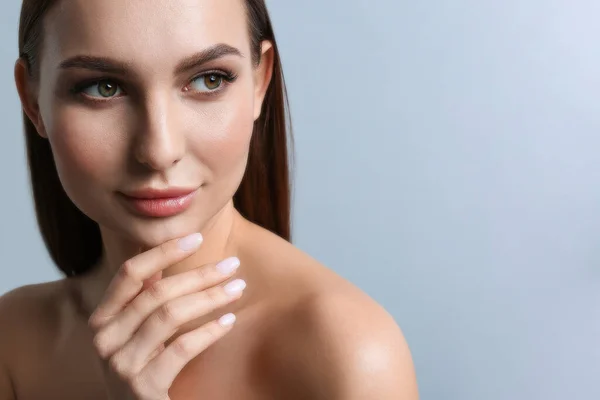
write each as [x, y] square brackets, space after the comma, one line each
[263, 197]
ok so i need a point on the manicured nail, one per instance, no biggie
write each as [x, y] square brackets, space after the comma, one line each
[227, 319]
[235, 287]
[228, 265]
[190, 242]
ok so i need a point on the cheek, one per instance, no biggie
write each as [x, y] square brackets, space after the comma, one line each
[224, 147]
[86, 147]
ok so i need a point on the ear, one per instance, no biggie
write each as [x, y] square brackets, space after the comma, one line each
[28, 94]
[262, 76]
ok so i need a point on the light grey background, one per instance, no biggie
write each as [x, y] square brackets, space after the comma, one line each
[447, 159]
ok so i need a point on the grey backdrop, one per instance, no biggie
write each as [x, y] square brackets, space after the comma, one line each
[446, 164]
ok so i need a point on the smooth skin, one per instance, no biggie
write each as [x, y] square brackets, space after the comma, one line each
[147, 322]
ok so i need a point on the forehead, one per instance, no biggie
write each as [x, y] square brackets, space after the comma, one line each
[142, 31]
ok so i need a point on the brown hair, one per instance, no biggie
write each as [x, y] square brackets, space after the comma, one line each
[73, 240]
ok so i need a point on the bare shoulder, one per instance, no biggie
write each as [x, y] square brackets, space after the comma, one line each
[27, 315]
[351, 348]
[23, 304]
[27, 319]
[343, 344]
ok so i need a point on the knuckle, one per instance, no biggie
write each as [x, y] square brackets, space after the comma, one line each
[183, 347]
[118, 365]
[98, 320]
[213, 331]
[127, 269]
[100, 345]
[167, 314]
[138, 386]
[143, 387]
[138, 305]
[165, 248]
[215, 296]
[202, 274]
[158, 291]
[94, 321]
[137, 389]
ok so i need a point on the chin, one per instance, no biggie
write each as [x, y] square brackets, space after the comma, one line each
[151, 232]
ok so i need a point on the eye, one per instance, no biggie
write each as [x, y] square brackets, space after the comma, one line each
[105, 89]
[207, 82]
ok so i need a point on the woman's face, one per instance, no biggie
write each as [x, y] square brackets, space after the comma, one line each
[149, 94]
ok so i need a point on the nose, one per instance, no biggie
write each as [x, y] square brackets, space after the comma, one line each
[159, 143]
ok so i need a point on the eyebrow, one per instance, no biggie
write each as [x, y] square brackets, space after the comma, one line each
[109, 65]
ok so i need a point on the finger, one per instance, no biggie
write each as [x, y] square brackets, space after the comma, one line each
[156, 352]
[129, 278]
[165, 321]
[150, 281]
[158, 375]
[120, 329]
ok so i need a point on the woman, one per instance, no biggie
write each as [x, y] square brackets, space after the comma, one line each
[156, 137]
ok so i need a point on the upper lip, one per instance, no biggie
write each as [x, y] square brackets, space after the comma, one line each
[166, 193]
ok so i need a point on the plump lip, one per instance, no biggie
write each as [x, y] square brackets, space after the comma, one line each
[155, 193]
[159, 203]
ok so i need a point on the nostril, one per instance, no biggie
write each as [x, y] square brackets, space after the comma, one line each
[157, 154]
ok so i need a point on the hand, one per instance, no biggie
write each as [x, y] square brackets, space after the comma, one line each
[140, 312]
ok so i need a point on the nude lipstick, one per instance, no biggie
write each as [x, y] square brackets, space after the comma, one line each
[159, 203]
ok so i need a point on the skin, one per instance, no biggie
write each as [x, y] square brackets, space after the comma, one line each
[302, 331]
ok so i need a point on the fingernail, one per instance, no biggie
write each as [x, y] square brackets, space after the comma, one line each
[235, 287]
[228, 265]
[190, 242]
[227, 319]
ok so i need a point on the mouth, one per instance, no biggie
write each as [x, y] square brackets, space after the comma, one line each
[159, 203]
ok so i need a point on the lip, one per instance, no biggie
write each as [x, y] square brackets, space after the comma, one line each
[167, 193]
[152, 202]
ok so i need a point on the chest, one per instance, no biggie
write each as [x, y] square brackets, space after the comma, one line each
[68, 368]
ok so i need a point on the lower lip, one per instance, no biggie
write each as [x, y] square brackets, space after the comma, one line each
[165, 207]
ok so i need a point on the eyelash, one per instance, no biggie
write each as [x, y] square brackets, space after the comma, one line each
[228, 78]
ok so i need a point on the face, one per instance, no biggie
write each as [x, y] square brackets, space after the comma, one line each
[149, 94]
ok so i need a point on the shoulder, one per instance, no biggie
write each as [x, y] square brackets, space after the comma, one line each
[332, 341]
[24, 319]
[351, 348]
[29, 314]
[23, 304]
[328, 339]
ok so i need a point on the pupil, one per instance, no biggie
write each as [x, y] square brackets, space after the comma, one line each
[107, 89]
[213, 81]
